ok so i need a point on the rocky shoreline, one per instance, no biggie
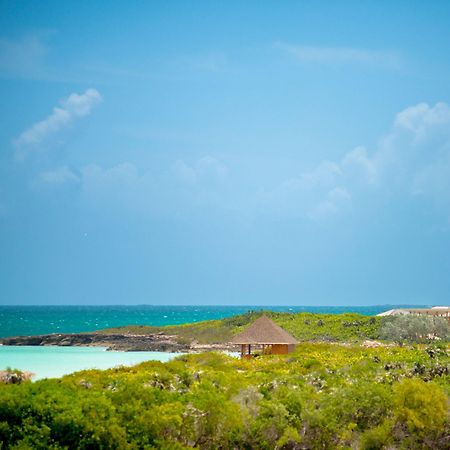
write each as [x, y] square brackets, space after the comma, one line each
[157, 342]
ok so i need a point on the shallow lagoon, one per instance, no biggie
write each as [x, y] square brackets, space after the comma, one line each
[52, 362]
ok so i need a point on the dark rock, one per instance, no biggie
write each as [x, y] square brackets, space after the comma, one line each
[153, 342]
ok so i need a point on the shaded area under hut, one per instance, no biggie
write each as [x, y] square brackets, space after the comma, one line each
[266, 336]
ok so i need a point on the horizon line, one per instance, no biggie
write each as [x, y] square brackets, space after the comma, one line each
[227, 306]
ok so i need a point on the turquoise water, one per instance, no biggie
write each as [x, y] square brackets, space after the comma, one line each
[32, 320]
[52, 362]
[57, 361]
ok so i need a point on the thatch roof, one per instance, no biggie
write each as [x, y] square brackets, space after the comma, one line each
[264, 331]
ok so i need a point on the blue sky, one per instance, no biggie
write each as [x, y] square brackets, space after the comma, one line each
[225, 152]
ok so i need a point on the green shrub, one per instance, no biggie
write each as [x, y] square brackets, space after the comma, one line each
[422, 407]
[377, 438]
[323, 395]
[414, 328]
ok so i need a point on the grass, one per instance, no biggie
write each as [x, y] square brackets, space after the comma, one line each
[348, 327]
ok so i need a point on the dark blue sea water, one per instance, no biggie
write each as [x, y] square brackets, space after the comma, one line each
[32, 320]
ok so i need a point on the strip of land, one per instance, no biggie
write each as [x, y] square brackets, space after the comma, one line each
[213, 334]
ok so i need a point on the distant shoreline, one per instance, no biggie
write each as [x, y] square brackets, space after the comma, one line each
[43, 320]
[210, 334]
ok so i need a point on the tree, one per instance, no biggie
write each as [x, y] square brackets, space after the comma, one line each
[414, 328]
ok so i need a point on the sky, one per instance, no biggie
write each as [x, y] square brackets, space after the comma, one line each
[204, 152]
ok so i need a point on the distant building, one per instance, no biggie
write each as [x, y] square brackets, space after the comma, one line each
[436, 311]
[265, 335]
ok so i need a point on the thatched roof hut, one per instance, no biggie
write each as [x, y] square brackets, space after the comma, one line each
[267, 335]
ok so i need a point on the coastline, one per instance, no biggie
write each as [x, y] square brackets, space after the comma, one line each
[57, 361]
[209, 335]
[157, 342]
[42, 320]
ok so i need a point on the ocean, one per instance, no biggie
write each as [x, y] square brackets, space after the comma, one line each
[33, 320]
[57, 361]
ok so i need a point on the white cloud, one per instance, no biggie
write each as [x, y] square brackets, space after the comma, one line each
[412, 159]
[357, 162]
[326, 189]
[123, 187]
[416, 117]
[400, 166]
[205, 169]
[120, 174]
[211, 166]
[339, 55]
[416, 152]
[40, 130]
[118, 188]
[337, 200]
[59, 175]
[70, 109]
[422, 119]
[80, 105]
[325, 174]
[184, 172]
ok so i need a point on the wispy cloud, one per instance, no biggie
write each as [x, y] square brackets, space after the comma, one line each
[336, 200]
[186, 188]
[410, 162]
[73, 107]
[23, 57]
[413, 159]
[204, 169]
[340, 55]
[59, 175]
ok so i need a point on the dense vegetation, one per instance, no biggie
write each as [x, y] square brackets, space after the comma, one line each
[323, 396]
[414, 328]
[330, 393]
[349, 327]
